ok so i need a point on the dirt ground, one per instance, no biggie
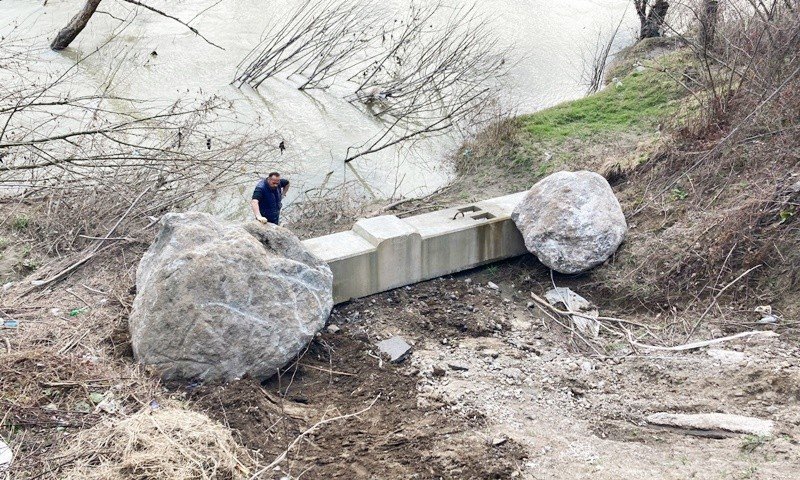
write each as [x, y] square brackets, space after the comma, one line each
[493, 388]
[496, 389]
[481, 353]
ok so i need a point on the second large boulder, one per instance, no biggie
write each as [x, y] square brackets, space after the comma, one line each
[571, 221]
[217, 301]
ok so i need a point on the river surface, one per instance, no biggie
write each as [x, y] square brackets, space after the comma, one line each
[551, 40]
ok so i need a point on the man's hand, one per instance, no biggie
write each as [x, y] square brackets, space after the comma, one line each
[261, 219]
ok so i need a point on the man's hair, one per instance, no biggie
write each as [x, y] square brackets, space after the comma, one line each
[273, 174]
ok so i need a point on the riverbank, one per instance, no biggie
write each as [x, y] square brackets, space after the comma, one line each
[495, 386]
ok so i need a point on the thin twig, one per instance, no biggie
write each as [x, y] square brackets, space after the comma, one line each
[164, 14]
[714, 301]
[308, 431]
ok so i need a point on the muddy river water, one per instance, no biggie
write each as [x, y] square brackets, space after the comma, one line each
[551, 39]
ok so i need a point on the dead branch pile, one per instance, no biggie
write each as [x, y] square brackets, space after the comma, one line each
[96, 170]
[168, 442]
[422, 72]
[47, 391]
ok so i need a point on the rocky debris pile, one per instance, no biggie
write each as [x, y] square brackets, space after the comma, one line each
[217, 301]
[571, 221]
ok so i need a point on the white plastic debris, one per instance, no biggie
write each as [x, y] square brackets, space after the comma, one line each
[586, 322]
[6, 456]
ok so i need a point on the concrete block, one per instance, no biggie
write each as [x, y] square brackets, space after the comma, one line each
[396, 348]
[399, 252]
[387, 252]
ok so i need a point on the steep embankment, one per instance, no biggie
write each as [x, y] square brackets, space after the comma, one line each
[704, 208]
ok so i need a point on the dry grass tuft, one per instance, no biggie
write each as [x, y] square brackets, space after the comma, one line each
[167, 442]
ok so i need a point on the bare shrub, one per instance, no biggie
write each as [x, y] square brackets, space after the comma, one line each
[422, 72]
[96, 170]
[722, 202]
[322, 211]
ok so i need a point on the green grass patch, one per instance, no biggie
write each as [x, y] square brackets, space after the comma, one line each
[20, 223]
[638, 102]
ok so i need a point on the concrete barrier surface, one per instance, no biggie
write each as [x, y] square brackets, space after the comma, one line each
[386, 252]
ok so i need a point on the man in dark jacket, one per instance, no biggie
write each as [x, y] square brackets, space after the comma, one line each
[266, 202]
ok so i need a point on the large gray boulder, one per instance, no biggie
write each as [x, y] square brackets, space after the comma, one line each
[571, 221]
[217, 301]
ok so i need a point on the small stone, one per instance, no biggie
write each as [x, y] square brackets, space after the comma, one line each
[439, 371]
[468, 281]
[395, 348]
[513, 373]
[496, 442]
[587, 366]
[493, 286]
[333, 329]
[458, 366]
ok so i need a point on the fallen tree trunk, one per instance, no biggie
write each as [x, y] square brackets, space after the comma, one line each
[75, 26]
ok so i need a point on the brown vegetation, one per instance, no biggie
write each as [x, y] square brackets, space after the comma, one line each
[723, 199]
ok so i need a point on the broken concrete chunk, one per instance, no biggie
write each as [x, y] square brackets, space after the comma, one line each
[713, 422]
[395, 348]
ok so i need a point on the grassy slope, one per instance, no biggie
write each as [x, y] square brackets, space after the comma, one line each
[638, 102]
[690, 229]
[617, 126]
